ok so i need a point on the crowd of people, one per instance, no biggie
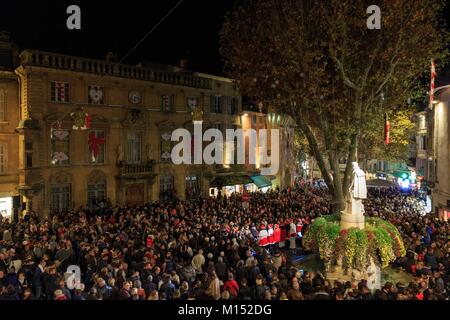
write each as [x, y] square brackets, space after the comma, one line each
[206, 248]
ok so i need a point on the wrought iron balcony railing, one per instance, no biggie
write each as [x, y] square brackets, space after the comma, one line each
[143, 169]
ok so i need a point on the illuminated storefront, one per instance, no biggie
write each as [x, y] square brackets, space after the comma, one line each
[227, 185]
[6, 207]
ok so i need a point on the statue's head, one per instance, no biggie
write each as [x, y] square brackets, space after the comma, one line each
[355, 165]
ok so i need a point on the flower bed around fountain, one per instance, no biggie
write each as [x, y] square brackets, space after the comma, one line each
[353, 248]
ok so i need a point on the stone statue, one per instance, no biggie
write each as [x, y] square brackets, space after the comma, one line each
[120, 153]
[359, 182]
[354, 211]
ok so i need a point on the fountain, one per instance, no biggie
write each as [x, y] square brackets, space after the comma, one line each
[351, 246]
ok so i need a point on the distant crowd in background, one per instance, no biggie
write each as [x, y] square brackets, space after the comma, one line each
[209, 248]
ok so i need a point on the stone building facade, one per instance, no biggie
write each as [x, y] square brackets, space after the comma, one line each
[76, 132]
[123, 154]
[438, 169]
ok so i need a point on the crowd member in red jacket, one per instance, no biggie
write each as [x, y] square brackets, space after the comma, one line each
[232, 286]
[277, 235]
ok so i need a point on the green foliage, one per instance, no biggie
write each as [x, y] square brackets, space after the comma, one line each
[319, 63]
[401, 131]
[380, 240]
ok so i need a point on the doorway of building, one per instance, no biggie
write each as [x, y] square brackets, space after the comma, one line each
[134, 194]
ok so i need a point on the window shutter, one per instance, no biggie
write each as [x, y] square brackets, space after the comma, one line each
[67, 92]
[130, 150]
[211, 104]
[53, 91]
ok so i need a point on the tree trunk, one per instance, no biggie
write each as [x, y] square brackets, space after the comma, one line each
[338, 203]
[338, 200]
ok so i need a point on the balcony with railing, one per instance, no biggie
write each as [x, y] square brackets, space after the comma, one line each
[58, 61]
[141, 170]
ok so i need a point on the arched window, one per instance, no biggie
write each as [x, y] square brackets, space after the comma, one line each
[61, 192]
[96, 189]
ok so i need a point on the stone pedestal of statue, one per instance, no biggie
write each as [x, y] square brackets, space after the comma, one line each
[353, 216]
[372, 274]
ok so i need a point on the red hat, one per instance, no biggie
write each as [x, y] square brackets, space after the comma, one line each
[277, 225]
[270, 225]
[263, 226]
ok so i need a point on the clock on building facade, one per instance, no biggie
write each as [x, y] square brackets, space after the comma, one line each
[135, 97]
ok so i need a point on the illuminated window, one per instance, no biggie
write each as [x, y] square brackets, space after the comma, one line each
[60, 140]
[59, 91]
[95, 95]
[166, 147]
[99, 134]
[167, 102]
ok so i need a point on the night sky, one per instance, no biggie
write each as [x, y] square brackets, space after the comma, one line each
[191, 30]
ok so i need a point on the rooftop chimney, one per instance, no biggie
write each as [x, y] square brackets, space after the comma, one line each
[111, 57]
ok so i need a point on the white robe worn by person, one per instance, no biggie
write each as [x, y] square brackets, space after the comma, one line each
[269, 235]
[292, 239]
[292, 244]
[263, 237]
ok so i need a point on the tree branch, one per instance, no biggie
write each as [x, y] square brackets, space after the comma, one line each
[341, 69]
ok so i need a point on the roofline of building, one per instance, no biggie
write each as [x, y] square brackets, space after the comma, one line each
[214, 77]
[177, 70]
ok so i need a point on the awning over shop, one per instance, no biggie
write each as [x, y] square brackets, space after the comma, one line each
[230, 180]
[261, 181]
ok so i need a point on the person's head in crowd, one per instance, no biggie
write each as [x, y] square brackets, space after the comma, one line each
[114, 252]
[153, 295]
